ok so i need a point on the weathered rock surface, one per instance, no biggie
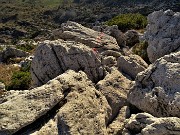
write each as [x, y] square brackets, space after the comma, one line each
[12, 52]
[109, 61]
[131, 37]
[111, 53]
[53, 58]
[115, 88]
[116, 127]
[93, 39]
[51, 127]
[8, 95]
[84, 109]
[114, 32]
[131, 65]
[146, 124]
[163, 34]
[157, 89]
[26, 108]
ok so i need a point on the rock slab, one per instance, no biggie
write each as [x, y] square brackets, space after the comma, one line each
[94, 39]
[146, 124]
[157, 89]
[53, 58]
[163, 33]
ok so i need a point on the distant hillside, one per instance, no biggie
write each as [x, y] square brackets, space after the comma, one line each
[31, 19]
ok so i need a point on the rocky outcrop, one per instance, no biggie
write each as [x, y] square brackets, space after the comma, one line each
[163, 34]
[80, 108]
[146, 124]
[131, 37]
[131, 65]
[53, 58]
[114, 32]
[156, 90]
[93, 39]
[115, 88]
[25, 108]
[11, 52]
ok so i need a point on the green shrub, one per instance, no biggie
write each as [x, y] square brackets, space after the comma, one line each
[128, 21]
[1, 48]
[141, 50]
[20, 81]
[26, 47]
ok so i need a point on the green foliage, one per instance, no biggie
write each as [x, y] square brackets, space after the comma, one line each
[20, 81]
[1, 48]
[26, 47]
[128, 21]
[141, 50]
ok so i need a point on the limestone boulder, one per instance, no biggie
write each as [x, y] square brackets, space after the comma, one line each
[115, 88]
[146, 124]
[12, 52]
[114, 32]
[24, 109]
[85, 111]
[8, 95]
[131, 37]
[163, 33]
[53, 58]
[91, 38]
[157, 89]
[78, 108]
[131, 65]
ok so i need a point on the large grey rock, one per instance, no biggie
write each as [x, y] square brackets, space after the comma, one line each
[131, 65]
[131, 37]
[11, 52]
[93, 39]
[83, 109]
[163, 33]
[114, 32]
[25, 108]
[115, 88]
[146, 124]
[86, 112]
[53, 58]
[157, 89]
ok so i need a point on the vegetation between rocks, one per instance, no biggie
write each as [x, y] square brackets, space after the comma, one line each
[141, 50]
[20, 80]
[128, 21]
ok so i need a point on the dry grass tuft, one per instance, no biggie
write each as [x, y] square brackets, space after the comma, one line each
[6, 72]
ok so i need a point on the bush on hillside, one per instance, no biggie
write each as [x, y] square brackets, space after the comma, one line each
[26, 47]
[20, 81]
[141, 50]
[128, 21]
